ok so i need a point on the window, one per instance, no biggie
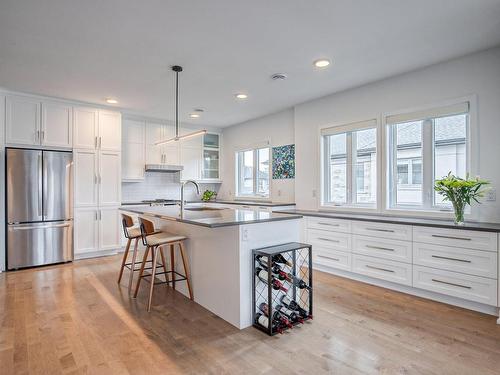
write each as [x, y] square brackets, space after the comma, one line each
[350, 165]
[423, 147]
[252, 171]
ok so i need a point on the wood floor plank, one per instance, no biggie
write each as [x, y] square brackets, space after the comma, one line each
[75, 319]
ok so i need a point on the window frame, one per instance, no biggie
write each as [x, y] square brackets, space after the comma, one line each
[238, 178]
[472, 160]
[370, 122]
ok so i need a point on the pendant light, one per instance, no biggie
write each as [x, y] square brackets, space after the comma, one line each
[177, 69]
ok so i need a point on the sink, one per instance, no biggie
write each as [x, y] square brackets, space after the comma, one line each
[203, 209]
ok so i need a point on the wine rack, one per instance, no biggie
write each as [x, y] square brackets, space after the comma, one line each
[291, 265]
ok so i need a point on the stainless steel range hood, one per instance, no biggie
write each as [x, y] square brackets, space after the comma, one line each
[163, 168]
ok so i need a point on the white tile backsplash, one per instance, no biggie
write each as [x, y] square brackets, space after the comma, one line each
[161, 186]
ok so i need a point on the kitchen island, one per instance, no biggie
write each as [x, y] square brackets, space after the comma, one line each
[219, 248]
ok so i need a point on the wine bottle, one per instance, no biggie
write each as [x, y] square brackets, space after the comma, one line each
[276, 284]
[298, 282]
[279, 258]
[263, 320]
[275, 269]
[292, 305]
[290, 314]
[277, 317]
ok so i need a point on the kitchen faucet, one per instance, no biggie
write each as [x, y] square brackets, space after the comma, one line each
[182, 191]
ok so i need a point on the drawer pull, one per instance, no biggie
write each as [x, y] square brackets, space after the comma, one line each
[378, 268]
[330, 225]
[379, 248]
[323, 256]
[452, 237]
[455, 259]
[380, 230]
[327, 239]
[452, 284]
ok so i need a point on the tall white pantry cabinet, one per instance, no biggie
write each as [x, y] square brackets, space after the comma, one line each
[97, 161]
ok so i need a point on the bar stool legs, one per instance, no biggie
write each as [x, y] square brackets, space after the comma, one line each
[132, 266]
[141, 272]
[153, 273]
[172, 264]
[186, 270]
[124, 260]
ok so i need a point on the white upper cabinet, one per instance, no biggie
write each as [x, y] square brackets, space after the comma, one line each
[85, 128]
[110, 131]
[86, 178]
[109, 178]
[22, 125]
[162, 154]
[133, 150]
[191, 161]
[56, 125]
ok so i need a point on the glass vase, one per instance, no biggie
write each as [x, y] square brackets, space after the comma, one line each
[459, 208]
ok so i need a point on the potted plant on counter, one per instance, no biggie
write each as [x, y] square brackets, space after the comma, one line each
[460, 192]
[208, 195]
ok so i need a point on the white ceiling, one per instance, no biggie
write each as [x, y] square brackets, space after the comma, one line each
[92, 49]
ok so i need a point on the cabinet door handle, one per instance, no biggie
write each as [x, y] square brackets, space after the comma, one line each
[95, 179]
[43, 135]
[378, 268]
[324, 256]
[379, 248]
[455, 259]
[452, 284]
[37, 136]
[100, 215]
[96, 217]
[328, 239]
[245, 207]
[95, 142]
[380, 230]
[330, 225]
[452, 237]
[100, 142]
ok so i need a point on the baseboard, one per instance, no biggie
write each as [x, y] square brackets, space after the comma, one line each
[97, 254]
[454, 301]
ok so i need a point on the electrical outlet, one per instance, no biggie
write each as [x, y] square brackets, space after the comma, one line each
[314, 193]
[244, 235]
[279, 193]
[491, 195]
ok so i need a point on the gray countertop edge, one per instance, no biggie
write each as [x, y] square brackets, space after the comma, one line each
[248, 203]
[477, 226]
[216, 225]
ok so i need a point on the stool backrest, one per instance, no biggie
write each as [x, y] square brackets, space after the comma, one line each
[127, 222]
[147, 228]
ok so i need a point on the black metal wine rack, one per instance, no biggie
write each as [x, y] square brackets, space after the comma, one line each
[299, 255]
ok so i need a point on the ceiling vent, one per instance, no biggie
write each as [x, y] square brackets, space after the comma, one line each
[278, 76]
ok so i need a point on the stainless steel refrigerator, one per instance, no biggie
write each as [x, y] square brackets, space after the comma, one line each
[39, 200]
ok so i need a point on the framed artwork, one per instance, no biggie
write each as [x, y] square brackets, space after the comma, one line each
[283, 162]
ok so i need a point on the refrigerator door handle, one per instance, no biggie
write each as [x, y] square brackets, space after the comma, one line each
[41, 226]
[40, 190]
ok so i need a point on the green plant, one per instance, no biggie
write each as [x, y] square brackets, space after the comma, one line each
[460, 192]
[207, 195]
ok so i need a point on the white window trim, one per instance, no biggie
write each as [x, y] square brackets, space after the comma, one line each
[382, 155]
[367, 122]
[251, 147]
[472, 160]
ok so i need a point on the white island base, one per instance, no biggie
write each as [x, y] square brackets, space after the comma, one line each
[220, 260]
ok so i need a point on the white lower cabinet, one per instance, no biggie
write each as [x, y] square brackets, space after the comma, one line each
[452, 262]
[86, 230]
[384, 269]
[332, 258]
[472, 288]
[96, 229]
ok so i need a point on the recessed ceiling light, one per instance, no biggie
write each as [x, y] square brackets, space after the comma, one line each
[111, 101]
[241, 96]
[194, 115]
[321, 63]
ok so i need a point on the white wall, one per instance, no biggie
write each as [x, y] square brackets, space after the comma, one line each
[477, 74]
[2, 183]
[278, 130]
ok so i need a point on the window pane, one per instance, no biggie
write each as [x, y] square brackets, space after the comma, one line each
[366, 165]
[408, 147]
[263, 171]
[337, 160]
[449, 148]
[246, 172]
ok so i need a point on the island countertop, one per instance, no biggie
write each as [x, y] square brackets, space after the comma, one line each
[212, 217]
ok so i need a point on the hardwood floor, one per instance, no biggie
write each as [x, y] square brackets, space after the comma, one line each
[75, 319]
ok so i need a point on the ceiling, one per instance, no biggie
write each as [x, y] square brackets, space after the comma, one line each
[90, 50]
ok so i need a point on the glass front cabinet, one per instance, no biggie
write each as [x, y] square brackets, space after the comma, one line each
[211, 157]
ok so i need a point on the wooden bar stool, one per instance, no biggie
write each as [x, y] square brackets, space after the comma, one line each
[154, 241]
[131, 233]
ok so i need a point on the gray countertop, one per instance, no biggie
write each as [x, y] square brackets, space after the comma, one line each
[210, 218]
[449, 224]
[249, 203]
